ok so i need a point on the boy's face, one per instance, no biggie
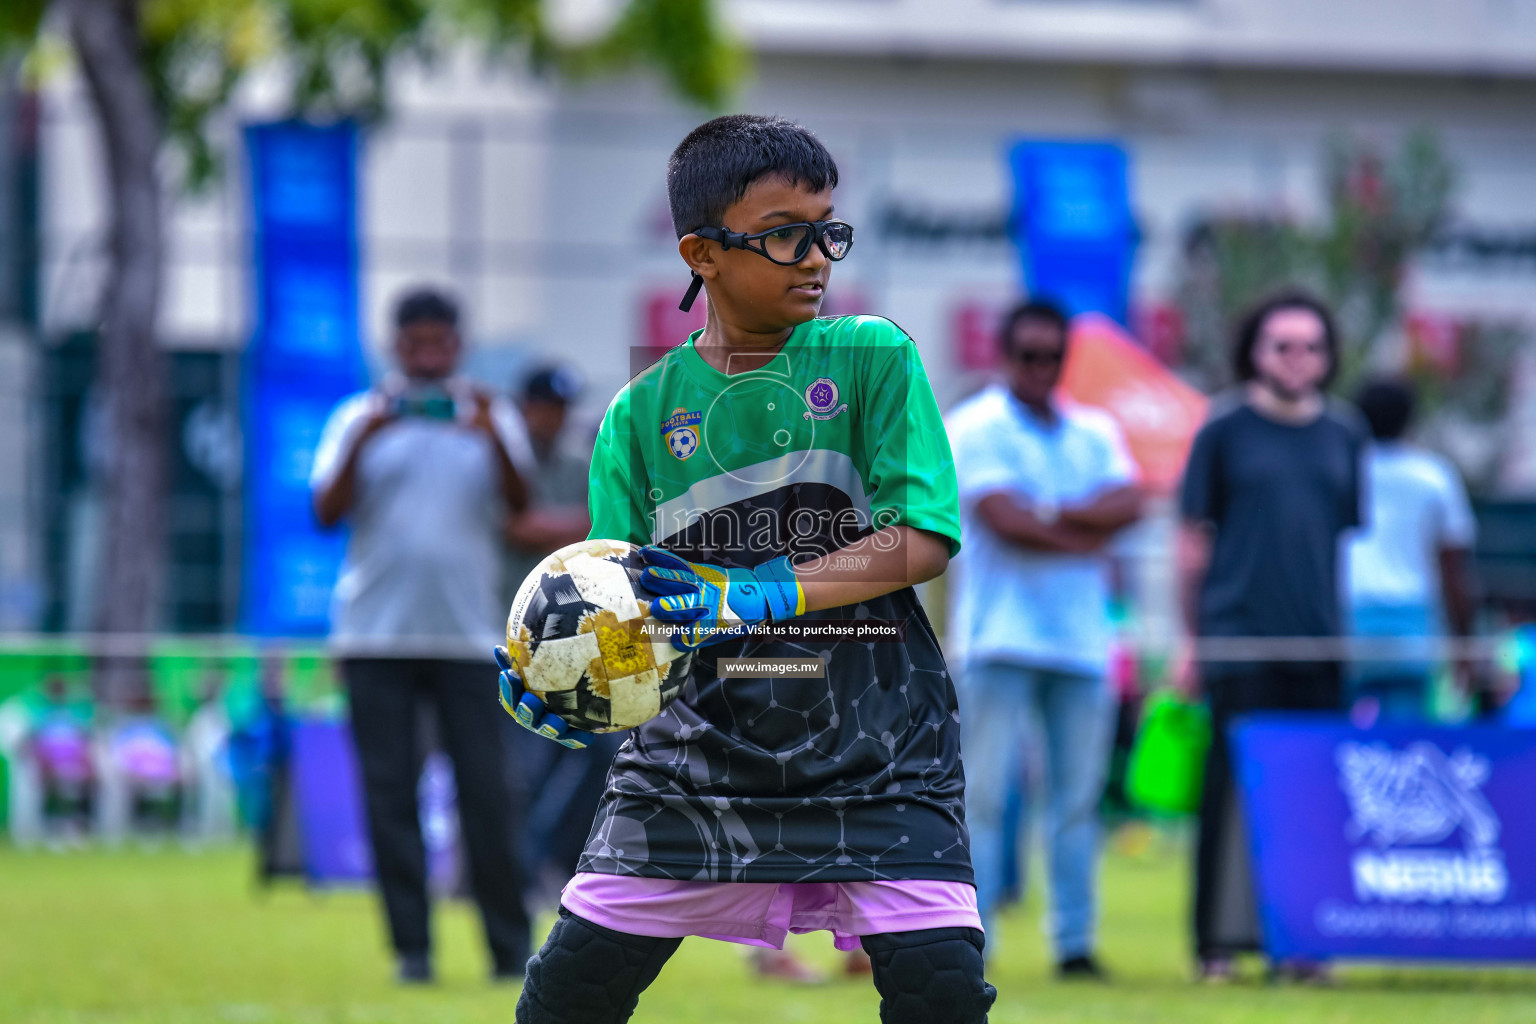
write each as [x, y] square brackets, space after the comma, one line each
[753, 293]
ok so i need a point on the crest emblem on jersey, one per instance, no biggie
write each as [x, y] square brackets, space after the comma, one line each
[681, 429]
[821, 396]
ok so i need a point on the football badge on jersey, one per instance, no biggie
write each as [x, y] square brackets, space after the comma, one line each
[822, 396]
[681, 429]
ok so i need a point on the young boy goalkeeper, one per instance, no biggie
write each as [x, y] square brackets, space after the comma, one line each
[793, 475]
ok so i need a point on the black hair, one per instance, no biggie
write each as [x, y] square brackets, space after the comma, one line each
[712, 168]
[1387, 406]
[1043, 310]
[425, 305]
[1252, 324]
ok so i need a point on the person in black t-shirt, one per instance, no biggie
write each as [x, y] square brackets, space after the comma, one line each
[1272, 482]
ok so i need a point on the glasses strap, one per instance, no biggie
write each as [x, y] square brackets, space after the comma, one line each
[691, 294]
[727, 239]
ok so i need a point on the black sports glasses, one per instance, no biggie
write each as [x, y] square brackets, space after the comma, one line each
[785, 245]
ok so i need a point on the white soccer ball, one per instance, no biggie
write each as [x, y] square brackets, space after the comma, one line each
[582, 639]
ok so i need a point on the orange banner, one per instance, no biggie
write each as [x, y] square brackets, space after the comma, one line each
[1158, 412]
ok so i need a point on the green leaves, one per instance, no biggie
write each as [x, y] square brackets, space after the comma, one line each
[341, 50]
[680, 37]
[335, 55]
[19, 22]
[1382, 209]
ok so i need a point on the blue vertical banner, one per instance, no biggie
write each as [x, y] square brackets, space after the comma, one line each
[306, 355]
[1072, 222]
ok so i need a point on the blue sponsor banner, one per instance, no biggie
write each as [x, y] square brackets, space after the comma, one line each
[1398, 842]
[305, 356]
[332, 825]
[1072, 222]
[328, 790]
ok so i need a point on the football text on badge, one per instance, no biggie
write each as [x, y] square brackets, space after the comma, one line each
[821, 396]
[681, 429]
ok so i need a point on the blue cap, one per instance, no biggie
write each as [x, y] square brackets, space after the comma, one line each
[552, 384]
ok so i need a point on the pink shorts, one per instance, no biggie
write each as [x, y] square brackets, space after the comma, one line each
[764, 913]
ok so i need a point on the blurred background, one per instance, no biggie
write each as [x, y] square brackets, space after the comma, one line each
[186, 295]
[1387, 163]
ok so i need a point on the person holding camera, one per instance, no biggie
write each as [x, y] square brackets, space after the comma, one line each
[424, 470]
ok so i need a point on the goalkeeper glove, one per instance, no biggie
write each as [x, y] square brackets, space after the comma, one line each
[530, 712]
[710, 603]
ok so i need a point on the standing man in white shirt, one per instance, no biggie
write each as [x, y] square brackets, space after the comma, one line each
[1044, 486]
[1408, 568]
[424, 471]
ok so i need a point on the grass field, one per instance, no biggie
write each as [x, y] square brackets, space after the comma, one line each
[171, 937]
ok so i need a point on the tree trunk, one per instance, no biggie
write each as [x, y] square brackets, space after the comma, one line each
[130, 378]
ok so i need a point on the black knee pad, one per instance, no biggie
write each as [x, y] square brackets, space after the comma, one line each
[588, 974]
[930, 977]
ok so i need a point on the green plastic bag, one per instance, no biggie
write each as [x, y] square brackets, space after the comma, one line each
[1167, 766]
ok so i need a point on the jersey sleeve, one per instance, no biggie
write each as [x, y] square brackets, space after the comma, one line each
[1457, 527]
[336, 439]
[911, 471]
[980, 467]
[1200, 493]
[513, 434]
[616, 480]
[1354, 512]
[1117, 468]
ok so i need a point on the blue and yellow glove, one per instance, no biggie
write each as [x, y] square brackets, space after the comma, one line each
[710, 603]
[530, 712]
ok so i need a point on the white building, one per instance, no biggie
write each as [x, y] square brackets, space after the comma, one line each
[545, 205]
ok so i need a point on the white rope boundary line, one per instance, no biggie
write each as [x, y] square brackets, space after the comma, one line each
[1207, 649]
[236, 645]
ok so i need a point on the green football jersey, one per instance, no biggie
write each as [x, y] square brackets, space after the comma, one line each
[851, 776]
[845, 404]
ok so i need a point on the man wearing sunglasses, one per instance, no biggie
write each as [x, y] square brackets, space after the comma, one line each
[1044, 486]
